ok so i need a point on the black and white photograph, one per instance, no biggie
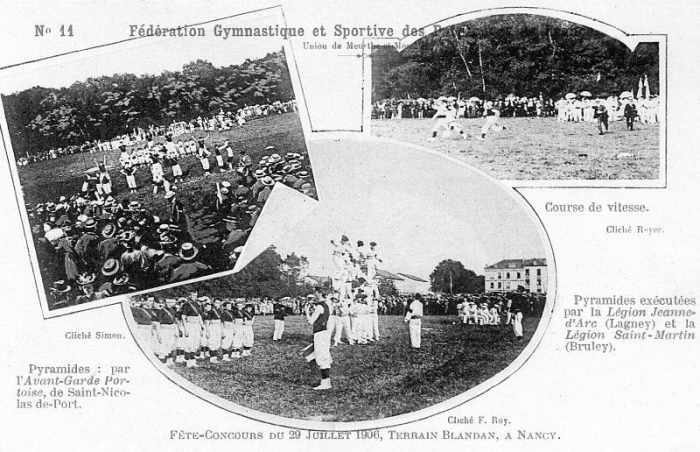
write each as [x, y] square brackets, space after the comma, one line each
[150, 165]
[385, 301]
[345, 226]
[525, 97]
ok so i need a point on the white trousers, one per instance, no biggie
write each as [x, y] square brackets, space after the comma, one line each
[168, 337]
[322, 349]
[518, 324]
[279, 330]
[214, 339]
[343, 324]
[375, 325]
[228, 333]
[414, 330]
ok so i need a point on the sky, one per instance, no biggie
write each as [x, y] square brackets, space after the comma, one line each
[143, 56]
[419, 208]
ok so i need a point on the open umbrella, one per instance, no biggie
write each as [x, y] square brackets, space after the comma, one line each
[625, 95]
[570, 96]
[586, 94]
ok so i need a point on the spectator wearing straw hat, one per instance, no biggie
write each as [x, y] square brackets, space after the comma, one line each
[301, 178]
[70, 258]
[105, 285]
[165, 264]
[241, 193]
[189, 268]
[132, 260]
[268, 183]
[60, 294]
[86, 246]
[259, 174]
[87, 290]
[254, 212]
[289, 179]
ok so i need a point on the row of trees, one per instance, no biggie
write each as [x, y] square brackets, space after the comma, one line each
[527, 55]
[270, 275]
[104, 107]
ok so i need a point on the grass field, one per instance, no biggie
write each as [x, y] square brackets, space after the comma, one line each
[47, 180]
[373, 381]
[541, 148]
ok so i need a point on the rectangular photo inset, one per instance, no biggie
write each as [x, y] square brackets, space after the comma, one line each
[526, 97]
[148, 165]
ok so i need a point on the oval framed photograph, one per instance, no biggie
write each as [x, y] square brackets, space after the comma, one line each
[416, 284]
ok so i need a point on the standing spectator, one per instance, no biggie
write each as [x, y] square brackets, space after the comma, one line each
[414, 315]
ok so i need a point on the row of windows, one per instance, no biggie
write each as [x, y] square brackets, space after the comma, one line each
[516, 274]
[508, 287]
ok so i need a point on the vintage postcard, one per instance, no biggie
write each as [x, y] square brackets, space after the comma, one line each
[305, 225]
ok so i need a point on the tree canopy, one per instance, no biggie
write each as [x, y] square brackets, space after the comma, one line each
[452, 277]
[104, 107]
[268, 275]
[527, 55]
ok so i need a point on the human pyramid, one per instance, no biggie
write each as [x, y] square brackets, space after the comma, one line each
[354, 314]
[186, 329]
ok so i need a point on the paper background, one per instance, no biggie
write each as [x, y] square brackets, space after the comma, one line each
[642, 397]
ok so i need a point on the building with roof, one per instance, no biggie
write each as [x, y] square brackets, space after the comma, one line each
[314, 281]
[406, 284]
[412, 284]
[388, 275]
[529, 275]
